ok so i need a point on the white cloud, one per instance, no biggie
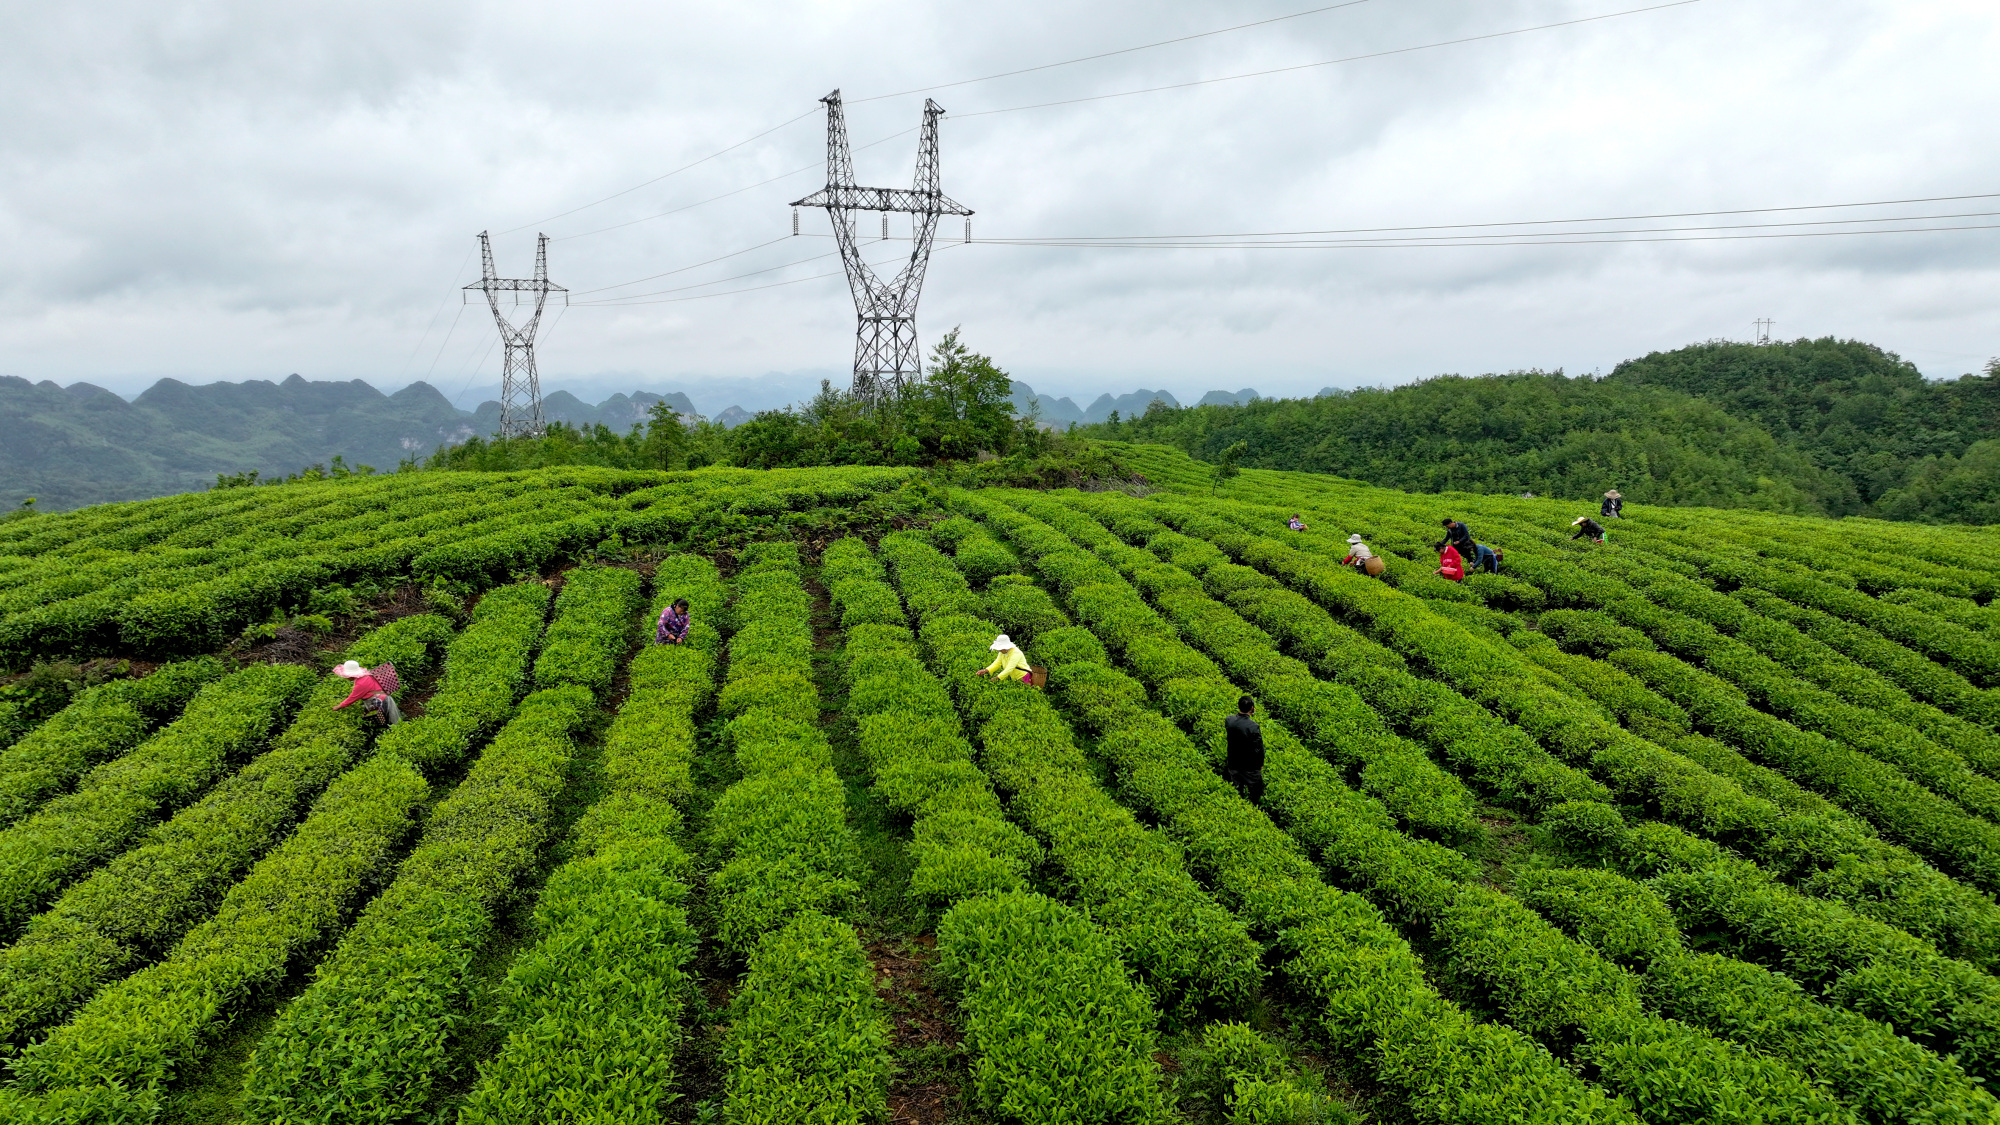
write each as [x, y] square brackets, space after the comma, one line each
[235, 190]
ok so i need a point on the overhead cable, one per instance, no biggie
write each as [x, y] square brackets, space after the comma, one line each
[683, 269]
[667, 175]
[1110, 54]
[706, 284]
[1553, 222]
[1468, 239]
[746, 289]
[1446, 243]
[947, 85]
[727, 194]
[1332, 62]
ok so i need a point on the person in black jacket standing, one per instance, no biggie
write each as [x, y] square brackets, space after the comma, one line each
[1243, 765]
[1460, 536]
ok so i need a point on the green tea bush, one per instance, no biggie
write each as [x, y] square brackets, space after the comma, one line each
[103, 722]
[486, 670]
[114, 802]
[807, 1041]
[592, 1009]
[132, 1038]
[136, 906]
[922, 765]
[592, 629]
[1133, 881]
[1057, 1031]
[363, 1039]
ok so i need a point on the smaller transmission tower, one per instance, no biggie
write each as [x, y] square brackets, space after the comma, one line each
[1763, 325]
[520, 386]
[885, 348]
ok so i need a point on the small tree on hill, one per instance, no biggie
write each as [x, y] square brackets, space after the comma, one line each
[1225, 467]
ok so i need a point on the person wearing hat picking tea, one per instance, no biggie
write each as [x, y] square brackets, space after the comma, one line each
[1613, 506]
[1358, 553]
[372, 686]
[1011, 664]
[1587, 527]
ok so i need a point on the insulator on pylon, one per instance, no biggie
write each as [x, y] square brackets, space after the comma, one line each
[795, 222]
[885, 225]
[968, 228]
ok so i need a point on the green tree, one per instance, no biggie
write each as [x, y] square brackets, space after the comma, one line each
[1225, 466]
[666, 443]
[963, 404]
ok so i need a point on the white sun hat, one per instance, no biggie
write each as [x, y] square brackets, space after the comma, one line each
[351, 670]
[1354, 538]
[1578, 520]
[1001, 643]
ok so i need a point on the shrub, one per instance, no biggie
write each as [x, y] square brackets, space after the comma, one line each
[1057, 1031]
[807, 1041]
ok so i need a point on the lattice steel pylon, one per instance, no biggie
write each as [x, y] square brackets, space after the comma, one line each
[885, 345]
[520, 386]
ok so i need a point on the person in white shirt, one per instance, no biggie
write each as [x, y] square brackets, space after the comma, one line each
[1358, 553]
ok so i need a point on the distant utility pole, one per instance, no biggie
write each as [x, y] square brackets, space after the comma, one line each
[885, 348]
[520, 386]
[1763, 329]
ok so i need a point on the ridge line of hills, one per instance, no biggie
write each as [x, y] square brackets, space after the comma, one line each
[82, 444]
[1829, 427]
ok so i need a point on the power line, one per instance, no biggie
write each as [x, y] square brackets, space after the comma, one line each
[1110, 54]
[947, 85]
[1294, 239]
[683, 269]
[433, 321]
[1147, 90]
[1334, 62]
[747, 289]
[705, 284]
[1445, 243]
[447, 341]
[1552, 222]
[727, 194]
[1069, 101]
[668, 175]
[1186, 241]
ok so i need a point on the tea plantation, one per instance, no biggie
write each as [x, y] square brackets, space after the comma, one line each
[1697, 825]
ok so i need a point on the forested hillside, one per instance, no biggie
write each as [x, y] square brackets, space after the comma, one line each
[81, 444]
[1814, 426]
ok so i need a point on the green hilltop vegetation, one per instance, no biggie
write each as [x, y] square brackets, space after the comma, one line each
[81, 444]
[1824, 427]
[1698, 825]
[1810, 427]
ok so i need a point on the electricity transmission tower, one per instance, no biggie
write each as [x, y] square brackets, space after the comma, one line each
[1763, 325]
[520, 386]
[885, 346]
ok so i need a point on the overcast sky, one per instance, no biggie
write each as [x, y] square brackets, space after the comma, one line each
[245, 190]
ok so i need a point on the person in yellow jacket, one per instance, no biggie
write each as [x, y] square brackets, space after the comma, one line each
[1011, 664]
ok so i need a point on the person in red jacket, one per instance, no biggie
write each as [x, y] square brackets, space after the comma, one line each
[370, 689]
[1451, 565]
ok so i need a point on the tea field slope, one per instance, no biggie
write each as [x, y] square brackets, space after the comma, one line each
[1700, 823]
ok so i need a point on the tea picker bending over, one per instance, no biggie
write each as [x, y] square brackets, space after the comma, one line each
[1358, 553]
[372, 686]
[1011, 664]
